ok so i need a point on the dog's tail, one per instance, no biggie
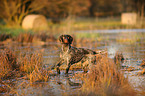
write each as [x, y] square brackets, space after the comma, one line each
[102, 52]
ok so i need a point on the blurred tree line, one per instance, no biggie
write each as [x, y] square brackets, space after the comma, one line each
[13, 11]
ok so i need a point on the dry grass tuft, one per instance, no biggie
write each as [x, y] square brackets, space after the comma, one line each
[38, 75]
[8, 63]
[106, 80]
[32, 65]
[30, 61]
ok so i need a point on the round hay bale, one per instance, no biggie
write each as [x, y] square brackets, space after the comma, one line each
[34, 22]
[129, 18]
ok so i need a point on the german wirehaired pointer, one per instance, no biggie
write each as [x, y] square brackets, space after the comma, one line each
[71, 55]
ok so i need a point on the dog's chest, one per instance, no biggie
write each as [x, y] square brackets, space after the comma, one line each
[65, 55]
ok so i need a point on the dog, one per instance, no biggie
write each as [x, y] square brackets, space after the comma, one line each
[71, 55]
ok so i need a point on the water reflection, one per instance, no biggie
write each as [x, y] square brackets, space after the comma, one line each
[64, 83]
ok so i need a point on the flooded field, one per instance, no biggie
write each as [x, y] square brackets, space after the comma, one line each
[131, 43]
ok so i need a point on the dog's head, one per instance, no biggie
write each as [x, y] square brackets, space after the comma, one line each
[65, 39]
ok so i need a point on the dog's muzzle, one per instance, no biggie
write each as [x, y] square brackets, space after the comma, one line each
[66, 41]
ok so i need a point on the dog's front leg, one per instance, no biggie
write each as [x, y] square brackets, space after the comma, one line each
[67, 69]
[68, 64]
[58, 65]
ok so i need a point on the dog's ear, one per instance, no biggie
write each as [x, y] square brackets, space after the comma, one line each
[70, 39]
[61, 38]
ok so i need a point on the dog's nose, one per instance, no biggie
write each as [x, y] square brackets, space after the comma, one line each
[66, 41]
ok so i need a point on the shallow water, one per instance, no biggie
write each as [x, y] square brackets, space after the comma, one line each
[133, 51]
[114, 31]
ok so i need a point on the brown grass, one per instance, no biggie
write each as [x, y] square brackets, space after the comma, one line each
[8, 63]
[32, 65]
[30, 61]
[106, 80]
[38, 75]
